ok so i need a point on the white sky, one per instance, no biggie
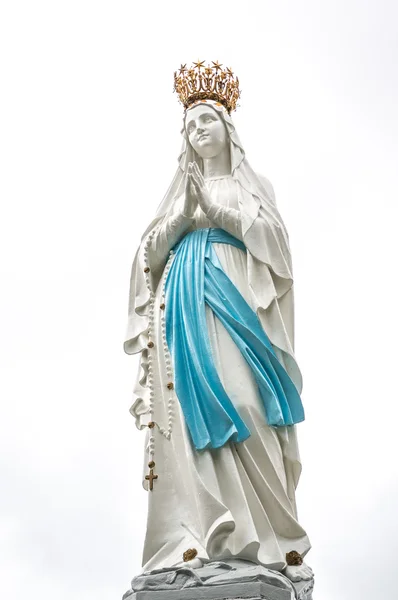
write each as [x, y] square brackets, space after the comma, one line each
[89, 139]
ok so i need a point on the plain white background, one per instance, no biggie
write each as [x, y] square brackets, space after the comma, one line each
[89, 144]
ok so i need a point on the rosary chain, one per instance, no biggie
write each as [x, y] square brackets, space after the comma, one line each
[169, 372]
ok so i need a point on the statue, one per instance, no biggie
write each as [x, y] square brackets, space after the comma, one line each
[218, 391]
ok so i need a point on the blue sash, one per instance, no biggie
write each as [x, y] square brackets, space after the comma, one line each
[196, 278]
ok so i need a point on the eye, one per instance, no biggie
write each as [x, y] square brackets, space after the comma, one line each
[190, 128]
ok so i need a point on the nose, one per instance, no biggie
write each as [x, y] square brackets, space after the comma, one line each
[200, 130]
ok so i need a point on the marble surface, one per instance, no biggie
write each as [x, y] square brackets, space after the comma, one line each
[240, 496]
[233, 579]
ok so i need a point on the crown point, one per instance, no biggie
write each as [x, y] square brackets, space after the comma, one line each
[217, 65]
[199, 64]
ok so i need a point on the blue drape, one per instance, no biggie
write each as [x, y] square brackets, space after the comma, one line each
[196, 278]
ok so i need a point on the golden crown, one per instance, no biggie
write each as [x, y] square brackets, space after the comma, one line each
[207, 83]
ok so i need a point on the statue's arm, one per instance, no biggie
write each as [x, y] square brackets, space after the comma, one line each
[170, 232]
[226, 218]
[167, 235]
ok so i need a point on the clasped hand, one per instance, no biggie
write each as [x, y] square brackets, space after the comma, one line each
[196, 192]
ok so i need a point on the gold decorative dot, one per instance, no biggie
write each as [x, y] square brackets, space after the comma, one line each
[162, 306]
[150, 344]
[151, 424]
[151, 464]
[170, 385]
[146, 270]
[189, 554]
[294, 558]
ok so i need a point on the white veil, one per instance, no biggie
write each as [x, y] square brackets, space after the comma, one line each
[264, 235]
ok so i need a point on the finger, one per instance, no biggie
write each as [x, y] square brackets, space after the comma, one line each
[197, 170]
[200, 178]
[195, 184]
[194, 176]
[196, 193]
[193, 189]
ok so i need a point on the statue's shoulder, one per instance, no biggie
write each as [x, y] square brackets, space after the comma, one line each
[267, 185]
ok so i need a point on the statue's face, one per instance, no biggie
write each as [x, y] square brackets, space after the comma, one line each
[206, 131]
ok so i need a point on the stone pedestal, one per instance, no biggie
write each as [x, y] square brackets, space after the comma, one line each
[232, 580]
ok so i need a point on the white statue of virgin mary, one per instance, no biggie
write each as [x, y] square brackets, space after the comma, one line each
[211, 313]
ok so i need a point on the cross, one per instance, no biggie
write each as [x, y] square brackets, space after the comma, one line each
[150, 478]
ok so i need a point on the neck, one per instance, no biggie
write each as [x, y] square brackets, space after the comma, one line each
[218, 166]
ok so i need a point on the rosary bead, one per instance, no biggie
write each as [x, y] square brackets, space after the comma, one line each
[151, 344]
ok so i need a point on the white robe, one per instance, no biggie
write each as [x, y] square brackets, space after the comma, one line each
[238, 500]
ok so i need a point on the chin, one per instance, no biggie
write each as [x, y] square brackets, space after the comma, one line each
[205, 145]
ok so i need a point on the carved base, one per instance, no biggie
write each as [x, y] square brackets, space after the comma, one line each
[230, 580]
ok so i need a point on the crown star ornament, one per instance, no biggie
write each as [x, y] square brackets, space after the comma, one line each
[211, 82]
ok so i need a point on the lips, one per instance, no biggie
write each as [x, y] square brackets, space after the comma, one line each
[204, 135]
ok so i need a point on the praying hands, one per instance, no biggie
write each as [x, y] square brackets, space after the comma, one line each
[198, 189]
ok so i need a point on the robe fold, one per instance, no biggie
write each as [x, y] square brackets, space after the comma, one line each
[237, 500]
